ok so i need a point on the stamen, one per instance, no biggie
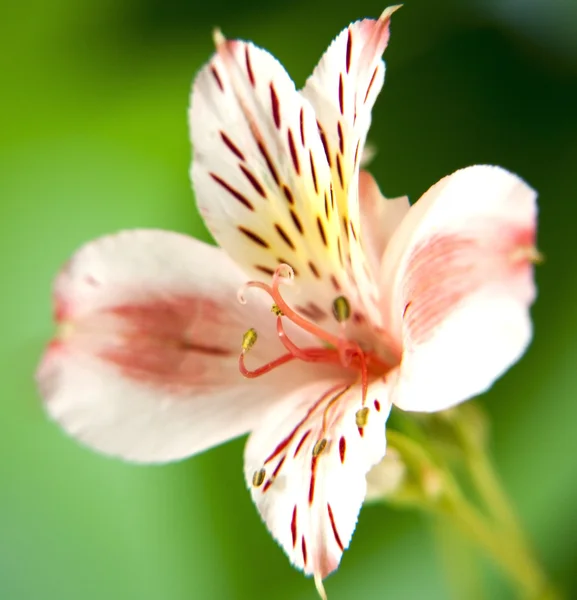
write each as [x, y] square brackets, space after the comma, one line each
[341, 351]
[332, 401]
[341, 309]
[273, 364]
[362, 416]
[258, 477]
[319, 447]
[249, 340]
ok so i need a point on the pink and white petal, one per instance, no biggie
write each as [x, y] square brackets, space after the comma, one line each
[380, 217]
[343, 89]
[459, 275]
[261, 176]
[308, 499]
[145, 362]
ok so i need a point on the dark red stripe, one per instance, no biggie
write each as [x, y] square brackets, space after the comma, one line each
[325, 144]
[275, 106]
[314, 173]
[322, 231]
[333, 525]
[254, 181]
[349, 50]
[278, 467]
[342, 448]
[302, 441]
[294, 526]
[297, 222]
[217, 77]
[232, 191]
[288, 194]
[231, 146]
[251, 235]
[340, 171]
[249, 66]
[371, 84]
[293, 152]
[265, 270]
[341, 95]
[269, 164]
[284, 236]
[313, 479]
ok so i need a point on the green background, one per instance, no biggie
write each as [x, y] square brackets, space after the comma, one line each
[93, 139]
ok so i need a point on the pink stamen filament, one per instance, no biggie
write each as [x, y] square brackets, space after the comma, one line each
[344, 352]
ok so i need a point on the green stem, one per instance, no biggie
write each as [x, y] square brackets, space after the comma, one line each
[515, 559]
[489, 486]
[506, 545]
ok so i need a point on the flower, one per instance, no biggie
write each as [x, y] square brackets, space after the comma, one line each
[421, 306]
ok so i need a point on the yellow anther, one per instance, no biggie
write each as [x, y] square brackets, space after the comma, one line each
[341, 309]
[276, 310]
[319, 447]
[258, 477]
[249, 340]
[362, 416]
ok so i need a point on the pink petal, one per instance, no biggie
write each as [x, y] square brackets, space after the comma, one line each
[309, 502]
[343, 89]
[460, 279]
[261, 177]
[380, 216]
[145, 362]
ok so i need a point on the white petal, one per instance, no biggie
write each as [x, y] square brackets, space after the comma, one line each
[380, 216]
[261, 177]
[460, 279]
[343, 89]
[145, 364]
[311, 503]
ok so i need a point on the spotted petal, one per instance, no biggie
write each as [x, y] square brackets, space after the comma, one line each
[260, 174]
[306, 465]
[145, 362]
[343, 89]
[460, 280]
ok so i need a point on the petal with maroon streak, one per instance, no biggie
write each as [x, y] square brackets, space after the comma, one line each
[459, 278]
[144, 364]
[315, 459]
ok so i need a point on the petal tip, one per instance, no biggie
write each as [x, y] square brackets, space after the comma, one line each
[386, 14]
[218, 37]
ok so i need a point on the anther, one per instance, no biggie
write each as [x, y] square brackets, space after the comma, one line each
[319, 447]
[276, 310]
[249, 340]
[362, 416]
[258, 477]
[341, 309]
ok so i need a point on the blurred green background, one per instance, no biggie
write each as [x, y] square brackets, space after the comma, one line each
[93, 139]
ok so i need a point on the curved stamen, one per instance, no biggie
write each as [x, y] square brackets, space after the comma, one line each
[274, 293]
[273, 364]
[344, 352]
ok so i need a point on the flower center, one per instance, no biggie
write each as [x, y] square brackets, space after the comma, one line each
[338, 350]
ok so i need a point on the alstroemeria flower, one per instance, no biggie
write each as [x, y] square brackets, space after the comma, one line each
[374, 302]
